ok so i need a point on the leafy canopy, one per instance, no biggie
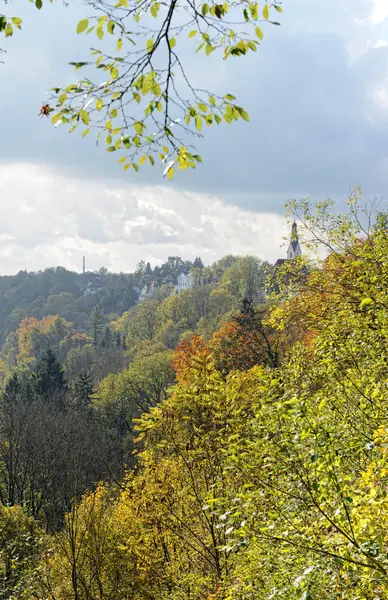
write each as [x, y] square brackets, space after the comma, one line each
[136, 92]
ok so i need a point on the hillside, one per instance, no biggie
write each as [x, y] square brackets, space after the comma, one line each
[205, 444]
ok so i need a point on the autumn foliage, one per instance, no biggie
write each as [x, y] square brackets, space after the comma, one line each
[187, 353]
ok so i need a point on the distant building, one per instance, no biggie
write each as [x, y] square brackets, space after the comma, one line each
[147, 292]
[91, 289]
[294, 249]
[185, 282]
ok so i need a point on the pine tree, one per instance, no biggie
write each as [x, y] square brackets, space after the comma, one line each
[106, 341]
[198, 264]
[82, 390]
[96, 325]
[49, 378]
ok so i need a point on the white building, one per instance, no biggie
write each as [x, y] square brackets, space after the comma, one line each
[185, 282]
[147, 292]
[294, 249]
[91, 289]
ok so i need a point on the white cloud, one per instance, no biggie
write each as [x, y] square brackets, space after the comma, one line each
[379, 11]
[50, 219]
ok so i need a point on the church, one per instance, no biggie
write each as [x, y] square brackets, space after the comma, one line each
[294, 249]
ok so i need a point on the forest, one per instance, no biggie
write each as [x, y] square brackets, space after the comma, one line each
[226, 442]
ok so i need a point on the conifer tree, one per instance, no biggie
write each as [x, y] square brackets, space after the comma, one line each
[49, 378]
[96, 325]
[82, 390]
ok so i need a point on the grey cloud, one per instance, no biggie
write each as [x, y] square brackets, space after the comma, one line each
[159, 223]
[314, 129]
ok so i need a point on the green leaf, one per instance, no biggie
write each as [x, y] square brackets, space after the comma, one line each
[266, 12]
[172, 43]
[150, 45]
[99, 104]
[230, 97]
[170, 173]
[254, 9]
[119, 45]
[139, 127]
[244, 115]
[110, 27]
[198, 123]
[82, 25]
[278, 8]
[192, 33]
[113, 113]
[142, 160]
[202, 107]
[84, 133]
[38, 4]
[259, 33]
[85, 117]
[205, 9]
[100, 32]
[17, 22]
[366, 302]
[114, 72]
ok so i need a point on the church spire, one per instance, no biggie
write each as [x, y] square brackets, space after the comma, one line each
[294, 249]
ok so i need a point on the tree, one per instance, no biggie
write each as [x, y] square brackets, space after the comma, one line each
[246, 341]
[82, 390]
[245, 279]
[36, 337]
[107, 339]
[122, 397]
[20, 549]
[96, 325]
[49, 379]
[147, 106]
[198, 264]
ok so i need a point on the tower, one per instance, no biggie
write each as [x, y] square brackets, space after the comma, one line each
[294, 249]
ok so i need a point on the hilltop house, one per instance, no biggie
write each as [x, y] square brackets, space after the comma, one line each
[185, 281]
[147, 292]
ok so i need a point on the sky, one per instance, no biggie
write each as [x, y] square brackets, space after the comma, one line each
[317, 95]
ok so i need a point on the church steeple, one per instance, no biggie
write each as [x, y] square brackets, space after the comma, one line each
[294, 249]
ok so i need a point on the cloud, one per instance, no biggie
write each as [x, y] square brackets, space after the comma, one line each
[54, 219]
